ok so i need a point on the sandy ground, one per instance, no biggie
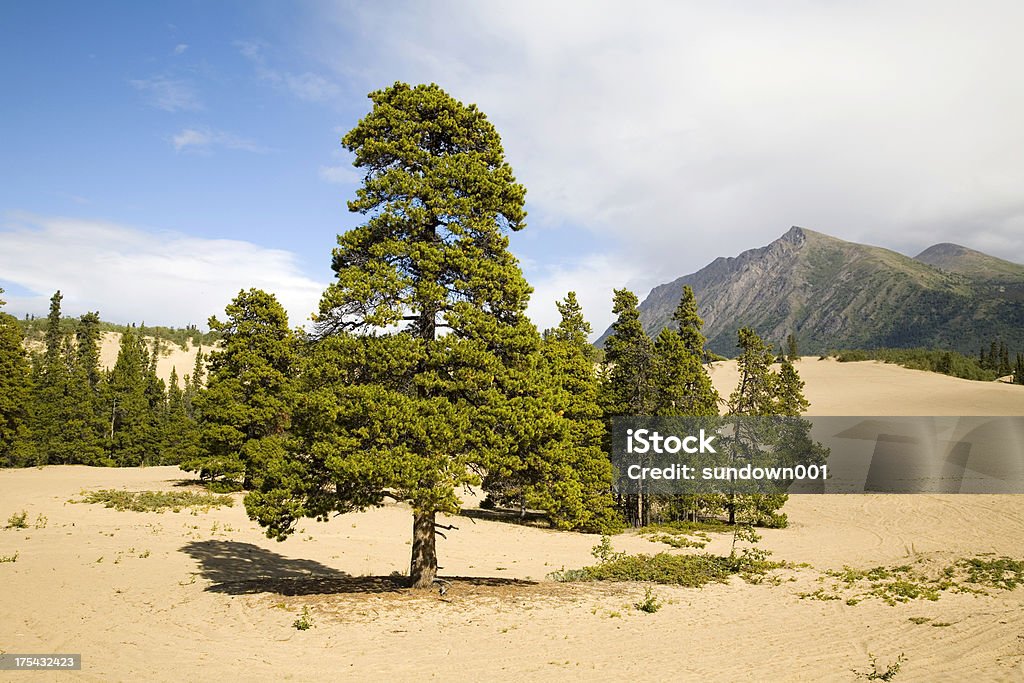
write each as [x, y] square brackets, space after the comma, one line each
[172, 356]
[205, 596]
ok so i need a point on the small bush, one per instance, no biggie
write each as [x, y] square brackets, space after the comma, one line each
[650, 604]
[9, 558]
[155, 501]
[18, 520]
[304, 622]
[875, 674]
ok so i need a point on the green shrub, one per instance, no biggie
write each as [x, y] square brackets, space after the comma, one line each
[649, 604]
[18, 520]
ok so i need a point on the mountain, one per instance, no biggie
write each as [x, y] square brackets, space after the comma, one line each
[971, 264]
[835, 294]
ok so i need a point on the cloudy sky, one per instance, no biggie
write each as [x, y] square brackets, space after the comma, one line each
[157, 158]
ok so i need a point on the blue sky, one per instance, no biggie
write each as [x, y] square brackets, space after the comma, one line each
[158, 157]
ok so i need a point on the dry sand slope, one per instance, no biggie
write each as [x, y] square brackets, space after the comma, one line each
[181, 596]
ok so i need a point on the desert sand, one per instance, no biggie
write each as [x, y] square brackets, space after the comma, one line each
[182, 596]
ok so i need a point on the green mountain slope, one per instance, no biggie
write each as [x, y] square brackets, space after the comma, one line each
[841, 295]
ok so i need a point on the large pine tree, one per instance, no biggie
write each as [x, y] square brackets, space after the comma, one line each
[425, 374]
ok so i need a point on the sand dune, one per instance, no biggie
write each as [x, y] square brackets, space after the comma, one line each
[182, 596]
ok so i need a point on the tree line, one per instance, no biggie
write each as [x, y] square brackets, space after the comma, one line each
[58, 406]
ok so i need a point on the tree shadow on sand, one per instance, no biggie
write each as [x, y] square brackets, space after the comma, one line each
[243, 569]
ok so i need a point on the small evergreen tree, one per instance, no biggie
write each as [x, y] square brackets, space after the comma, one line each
[792, 348]
[15, 395]
[577, 490]
[247, 406]
[134, 434]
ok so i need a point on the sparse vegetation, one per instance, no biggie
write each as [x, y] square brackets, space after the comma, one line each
[156, 501]
[905, 583]
[9, 558]
[692, 571]
[876, 674]
[18, 520]
[305, 620]
[650, 603]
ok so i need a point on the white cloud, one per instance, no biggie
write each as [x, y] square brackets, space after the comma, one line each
[308, 86]
[684, 131]
[340, 175]
[592, 277]
[203, 139]
[180, 48]
[135, 275]
[168, 94]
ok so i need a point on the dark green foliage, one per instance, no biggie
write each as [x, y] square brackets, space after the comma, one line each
[427, 372]
[246, 409]
[945, 362]
[15, 396]
[576, 488]
[764, 392]
[792, 348]
[133, 397]
[629, 353]
[569, 477]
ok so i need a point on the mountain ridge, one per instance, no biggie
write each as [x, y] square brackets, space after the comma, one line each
[835, 294]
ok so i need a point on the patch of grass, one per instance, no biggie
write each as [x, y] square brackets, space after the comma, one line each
[919, 620]
[819, 594]
[1002, 572]
[18, 520]
[41, 521]
[156, 501]
[650, 604]
[876, 674]
[692, 571]
[905, 583]
[9, 558]
[941, 624]
[305, 620]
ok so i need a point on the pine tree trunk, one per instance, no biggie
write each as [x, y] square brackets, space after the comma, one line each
[423, 567]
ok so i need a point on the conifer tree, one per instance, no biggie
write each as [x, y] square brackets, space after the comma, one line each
[180, 440]
[629, 353]
[425, 375]
[628, 388]
[792, 348]
[689, 324]
[680, 383]
[762, 393]
[576, 491]
[247, 406]
[50, 399]
[682, 387]
[83, 418]
[15, 395]
[133, 432]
